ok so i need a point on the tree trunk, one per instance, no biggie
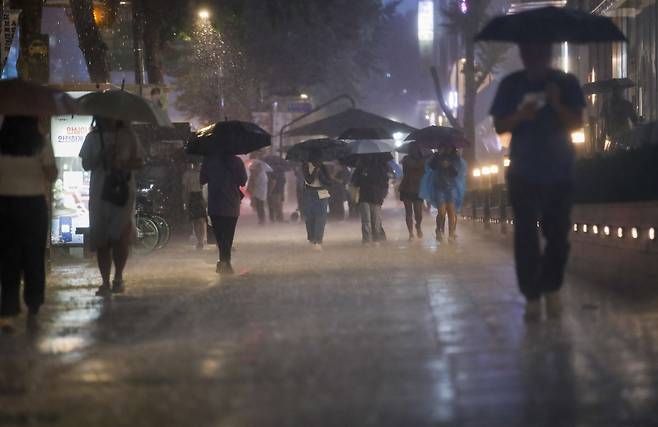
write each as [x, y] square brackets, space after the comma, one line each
[442, 102]
[153, 49]
[92, 45]
[470, 94]
[30, 30]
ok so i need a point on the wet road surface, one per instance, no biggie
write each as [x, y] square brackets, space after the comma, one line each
[404, 334]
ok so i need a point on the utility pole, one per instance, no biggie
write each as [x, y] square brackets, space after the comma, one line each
[138, 42]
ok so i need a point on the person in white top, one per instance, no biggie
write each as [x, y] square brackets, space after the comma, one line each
[257, 185]
[111, 152]
[195, 203]
[27, 169]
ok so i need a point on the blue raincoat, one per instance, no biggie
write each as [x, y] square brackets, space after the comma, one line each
[439, 190]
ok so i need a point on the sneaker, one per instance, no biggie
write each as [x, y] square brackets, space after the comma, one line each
[419, 232]
[317, 247]
[118, 286]
[553, 304]
[103, 290]
[532, 311]
[411, 236]
[439, 236]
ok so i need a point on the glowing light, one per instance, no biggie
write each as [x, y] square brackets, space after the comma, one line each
[578, 137]
[575, 228]
[426, 21]
[303, 96]
[506, 162]
[453, 99]
[652, 233]
[486, 171]
[634, 233]
[565, 57]
[595, 229]
[606, 230]
[493, 169]
[398, 136]
[620, 232]
[584, 228]
[477, 173]
[204, 14]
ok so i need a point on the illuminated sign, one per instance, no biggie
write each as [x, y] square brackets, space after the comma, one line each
[426, 21]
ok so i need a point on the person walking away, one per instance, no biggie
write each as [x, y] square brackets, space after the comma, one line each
[540, 106]
[111, 151]
[413, 169]
[448, 178]
[195, 204]
[257, 186]
[338, 192]
[224, 174]
[275, 195]
[27, 170]
[315, 198]
[371, 178]
[618, 115]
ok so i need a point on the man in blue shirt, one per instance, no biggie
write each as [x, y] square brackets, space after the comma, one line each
[540, 106]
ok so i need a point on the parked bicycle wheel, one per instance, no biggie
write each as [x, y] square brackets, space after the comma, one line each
[148, 235]
[164, 229]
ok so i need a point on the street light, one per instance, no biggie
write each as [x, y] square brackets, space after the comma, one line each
[204, 14]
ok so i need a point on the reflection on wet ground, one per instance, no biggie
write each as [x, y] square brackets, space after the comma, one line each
[405, 334]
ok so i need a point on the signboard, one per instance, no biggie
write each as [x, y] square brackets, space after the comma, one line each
[71, 190]
[67, 133]
[8, 25]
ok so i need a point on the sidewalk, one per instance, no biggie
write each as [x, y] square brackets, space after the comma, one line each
[406, 334]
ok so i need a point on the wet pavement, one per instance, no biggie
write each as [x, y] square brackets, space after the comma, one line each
[404, 334]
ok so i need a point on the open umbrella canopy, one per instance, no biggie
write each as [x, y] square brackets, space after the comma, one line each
[365, 133]
[371, 146]
[22, 98]
[551, 25]
[434, 137]
[278, 164]
[352, 160]
[334, 126]
[121, 105]
[228, 137]
[329, 149]
[604, 86]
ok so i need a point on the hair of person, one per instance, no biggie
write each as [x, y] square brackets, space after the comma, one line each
[20, 136]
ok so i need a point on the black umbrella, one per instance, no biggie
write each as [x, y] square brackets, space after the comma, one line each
[335, 125]
[365, 133]
[330, 149]
[604, 86]
[551, 25]
[278, 164]
[433, 137]
[352, 160]
[229, 137]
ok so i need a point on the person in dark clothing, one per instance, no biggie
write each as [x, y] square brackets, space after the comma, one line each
[371, 178]
[413, 166]
[276, 189]
[315, 198]
[540, 106]
[224, 176]
[27, 168]
[619, 115]
[338, 192]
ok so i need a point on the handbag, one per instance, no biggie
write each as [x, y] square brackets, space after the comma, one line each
[115, 187]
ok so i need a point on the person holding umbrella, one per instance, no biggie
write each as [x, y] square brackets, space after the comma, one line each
[258, 185]
[413, 167]
[111, 152]
[371, 178]
[316, 197]
[443, 186]
[540, 106]
[225, 173]
[27, 169]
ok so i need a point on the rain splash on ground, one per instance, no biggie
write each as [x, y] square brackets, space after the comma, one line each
[404, 334]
